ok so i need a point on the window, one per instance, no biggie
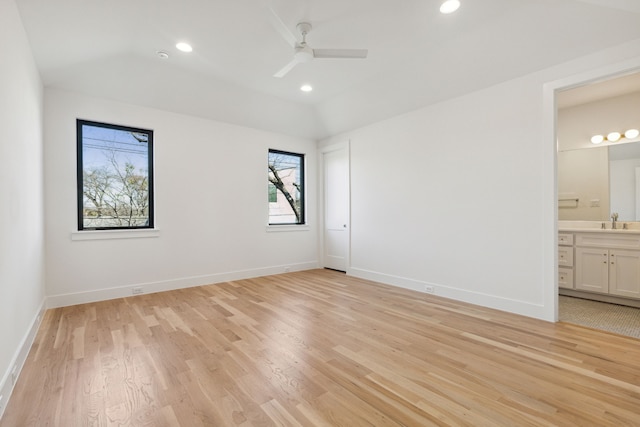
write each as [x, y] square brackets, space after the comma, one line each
[286, 188]
[115, 176]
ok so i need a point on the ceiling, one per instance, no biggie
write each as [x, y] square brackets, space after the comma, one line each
[417, 56]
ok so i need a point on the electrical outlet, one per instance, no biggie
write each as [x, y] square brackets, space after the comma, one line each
[137, 291]
[429, 289]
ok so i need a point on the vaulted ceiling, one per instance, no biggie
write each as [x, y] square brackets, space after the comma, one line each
[417, 56]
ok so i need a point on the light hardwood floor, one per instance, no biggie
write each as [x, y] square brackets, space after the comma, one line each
[318, 348]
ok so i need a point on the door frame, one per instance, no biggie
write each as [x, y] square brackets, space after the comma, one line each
[550, 183]
[345, 145]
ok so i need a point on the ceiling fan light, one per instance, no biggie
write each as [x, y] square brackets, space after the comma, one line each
[597, 139]
[613, 136]
[449, 6]
[303, 54]
[631, 133]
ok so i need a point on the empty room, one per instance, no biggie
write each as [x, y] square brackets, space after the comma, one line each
[319, 213]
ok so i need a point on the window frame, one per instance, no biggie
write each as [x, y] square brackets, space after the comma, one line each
[303, 210]
[80, 175]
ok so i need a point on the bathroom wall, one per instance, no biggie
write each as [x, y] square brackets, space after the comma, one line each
[583, 174]
[584, 168]
[577, 124]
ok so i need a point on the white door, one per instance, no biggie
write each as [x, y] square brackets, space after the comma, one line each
[336, 209]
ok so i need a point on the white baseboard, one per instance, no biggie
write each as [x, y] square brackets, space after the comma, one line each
[491, 301]
[20, 356]
[64, 300]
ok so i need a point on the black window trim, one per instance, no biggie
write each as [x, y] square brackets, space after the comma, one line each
[80, 168]
[303, 214]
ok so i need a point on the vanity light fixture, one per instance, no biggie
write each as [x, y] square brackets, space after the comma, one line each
[449, 6]
[184, 47]
[615, 136]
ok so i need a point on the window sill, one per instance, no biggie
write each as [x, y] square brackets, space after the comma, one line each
[114, 234]
[287, 227]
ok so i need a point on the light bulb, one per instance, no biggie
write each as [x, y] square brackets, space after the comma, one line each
[631, 133]
[449, 6]
[597, 139]
[613, 136]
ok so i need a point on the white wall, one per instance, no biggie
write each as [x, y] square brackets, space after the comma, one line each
[462, 195]
[584, 174]
[21, 196]
[211, 206]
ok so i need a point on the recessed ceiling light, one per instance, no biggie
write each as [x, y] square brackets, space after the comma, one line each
[184, 47]
[306, 88]
[162, 54]
[449, 6]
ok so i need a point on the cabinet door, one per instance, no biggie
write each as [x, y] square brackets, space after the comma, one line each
[592, 270]
[624, 273]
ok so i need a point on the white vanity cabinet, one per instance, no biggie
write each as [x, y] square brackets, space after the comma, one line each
[592, 270]
[565, 260]
[608, 263]
[624, 273]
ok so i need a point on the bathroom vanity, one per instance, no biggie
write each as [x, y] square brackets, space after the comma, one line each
[599, 264]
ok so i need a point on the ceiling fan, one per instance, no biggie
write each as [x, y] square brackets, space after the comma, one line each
[302, 52]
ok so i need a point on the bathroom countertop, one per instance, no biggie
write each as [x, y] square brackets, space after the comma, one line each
[598, 230]
[596, 227]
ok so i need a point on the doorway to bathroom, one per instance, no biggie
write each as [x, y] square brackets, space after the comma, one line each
[598, 167]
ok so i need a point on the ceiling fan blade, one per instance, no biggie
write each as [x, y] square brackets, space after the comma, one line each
[286, 69]
[282, 28]
[340, 53]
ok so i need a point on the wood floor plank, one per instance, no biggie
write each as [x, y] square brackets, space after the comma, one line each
[318, 348]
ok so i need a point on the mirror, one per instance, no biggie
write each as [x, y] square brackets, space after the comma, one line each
[593, 182]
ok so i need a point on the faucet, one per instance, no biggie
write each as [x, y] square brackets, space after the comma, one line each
[614, 218]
